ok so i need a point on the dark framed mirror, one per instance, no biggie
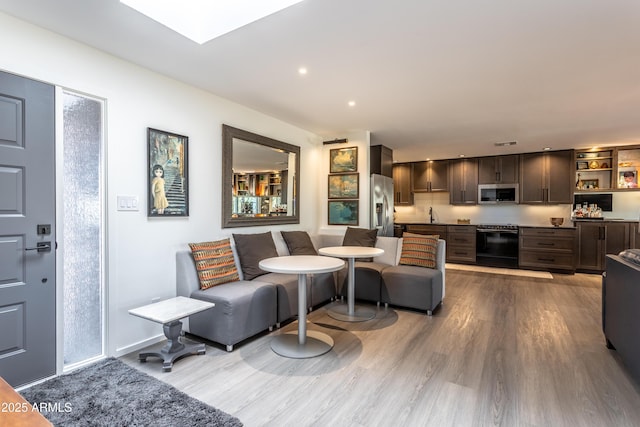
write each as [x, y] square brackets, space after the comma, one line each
[260, 180]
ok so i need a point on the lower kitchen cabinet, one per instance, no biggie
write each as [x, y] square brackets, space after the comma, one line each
[599, 238]
[429, 229]
[543, 248]
[634, 242]
[461, 243]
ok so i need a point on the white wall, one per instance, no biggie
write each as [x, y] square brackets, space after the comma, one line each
[141, 250]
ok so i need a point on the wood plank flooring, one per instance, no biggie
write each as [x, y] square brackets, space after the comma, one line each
[503, 350]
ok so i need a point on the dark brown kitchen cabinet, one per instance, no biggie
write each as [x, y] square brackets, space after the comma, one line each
[463, 182]
[428, 229]
[461, 243]
[547, 177]
[599, 238]
[545, 248]
[402, 184]
[430, 176]
[634, 237]
[381, 160]
[498, 169]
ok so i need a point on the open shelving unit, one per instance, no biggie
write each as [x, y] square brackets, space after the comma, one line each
[604, 169]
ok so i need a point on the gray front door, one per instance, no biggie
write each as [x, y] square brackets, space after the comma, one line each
[27, 230]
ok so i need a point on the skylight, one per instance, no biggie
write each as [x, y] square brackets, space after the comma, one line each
[204, 20]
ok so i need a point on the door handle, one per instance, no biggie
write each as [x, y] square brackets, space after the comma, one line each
[41, 247]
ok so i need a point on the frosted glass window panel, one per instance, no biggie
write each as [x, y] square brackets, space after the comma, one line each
[82, 228]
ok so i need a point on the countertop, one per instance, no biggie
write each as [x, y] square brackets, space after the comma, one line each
[568, 224]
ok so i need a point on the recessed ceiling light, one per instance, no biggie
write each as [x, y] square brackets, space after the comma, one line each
[203, 20]
[352, 103]
[302, 70]
[461, 155]
[547, 148]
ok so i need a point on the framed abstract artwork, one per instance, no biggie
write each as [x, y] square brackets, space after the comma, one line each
[343, 212]
[343, 160]
[167, 170]
[344, 186]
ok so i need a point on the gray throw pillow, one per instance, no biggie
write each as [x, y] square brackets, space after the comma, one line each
[299, 243]
[360, 237]
[251, 249]
[632, 255]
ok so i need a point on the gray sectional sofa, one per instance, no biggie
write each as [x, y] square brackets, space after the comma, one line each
[245, 308]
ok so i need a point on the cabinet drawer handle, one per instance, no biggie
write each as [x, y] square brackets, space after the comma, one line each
[546, 244]
[546, 259]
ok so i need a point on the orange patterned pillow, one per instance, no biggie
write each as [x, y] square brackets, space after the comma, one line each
[214, 262]
[419, 250]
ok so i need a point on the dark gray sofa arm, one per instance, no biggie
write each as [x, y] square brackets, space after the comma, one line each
[620, 310]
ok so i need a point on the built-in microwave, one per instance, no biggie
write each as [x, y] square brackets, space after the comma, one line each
[491, 194]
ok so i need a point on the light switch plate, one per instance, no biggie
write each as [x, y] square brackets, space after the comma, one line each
[127, 203]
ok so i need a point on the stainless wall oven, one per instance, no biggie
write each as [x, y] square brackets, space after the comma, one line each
[497, 245]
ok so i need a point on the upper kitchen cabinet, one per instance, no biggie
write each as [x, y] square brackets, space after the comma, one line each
[402, 184]
[431, 176]
[463, 182]
[546, 178]
[381, 160]
[498, 169]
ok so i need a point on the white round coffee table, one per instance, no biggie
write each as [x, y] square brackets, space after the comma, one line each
[303, 344]
[351, 312]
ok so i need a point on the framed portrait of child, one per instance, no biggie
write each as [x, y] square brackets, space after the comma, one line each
[168, 172]
[627, 177]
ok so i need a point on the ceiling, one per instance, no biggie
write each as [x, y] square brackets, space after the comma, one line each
[430, 78]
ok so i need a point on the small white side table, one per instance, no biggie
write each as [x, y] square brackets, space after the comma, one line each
[169, 312]
[305, 343]
[351, 312]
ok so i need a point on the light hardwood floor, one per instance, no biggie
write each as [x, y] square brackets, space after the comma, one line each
[503, 350]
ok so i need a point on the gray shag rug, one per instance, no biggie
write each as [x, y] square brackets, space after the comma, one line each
[112, 393]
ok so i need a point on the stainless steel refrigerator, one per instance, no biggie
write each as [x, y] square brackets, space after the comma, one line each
[382, 204]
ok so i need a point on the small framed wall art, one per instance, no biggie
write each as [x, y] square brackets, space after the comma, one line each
[344, 186]
[343, 212]
[591, 184]
[343, 160]
[168, 174]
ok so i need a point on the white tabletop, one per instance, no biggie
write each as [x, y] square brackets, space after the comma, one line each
[300, 264]
[351, 251]
[171, 309]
